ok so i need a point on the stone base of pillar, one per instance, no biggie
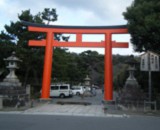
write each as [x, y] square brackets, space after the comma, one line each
[109, 105]
[45, 100]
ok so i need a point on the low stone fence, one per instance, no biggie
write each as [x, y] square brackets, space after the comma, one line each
[13, 96]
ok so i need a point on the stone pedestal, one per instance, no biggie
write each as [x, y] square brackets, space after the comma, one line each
[10, 84]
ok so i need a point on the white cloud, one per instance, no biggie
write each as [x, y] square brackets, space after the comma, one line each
[103, 10]
[90, 12]
[70, 12]
[2, 3]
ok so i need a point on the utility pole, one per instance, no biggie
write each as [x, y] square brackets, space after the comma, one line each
[149, 78]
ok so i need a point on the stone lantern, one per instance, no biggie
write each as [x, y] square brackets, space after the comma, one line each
[11, 90]
[87, 83]
[131, 80]
[11, 79]
[131, 94]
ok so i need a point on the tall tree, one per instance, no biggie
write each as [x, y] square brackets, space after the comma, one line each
[16, 36]
[49, 15]
[143, 18]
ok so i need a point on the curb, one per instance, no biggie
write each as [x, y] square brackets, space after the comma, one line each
[66, 114]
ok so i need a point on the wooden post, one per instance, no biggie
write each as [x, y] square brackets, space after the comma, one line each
[108, 85]
[47, 67]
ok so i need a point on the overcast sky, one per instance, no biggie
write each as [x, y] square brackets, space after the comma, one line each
[73, 12]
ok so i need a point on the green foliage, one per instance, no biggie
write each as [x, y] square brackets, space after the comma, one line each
[91, 63]
[49, 15]
[73, 68]
[120, 72]
[143, 18]
[15, 38]
[67, 67]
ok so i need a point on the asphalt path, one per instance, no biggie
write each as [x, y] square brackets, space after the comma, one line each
[94, 100]
[50, 122]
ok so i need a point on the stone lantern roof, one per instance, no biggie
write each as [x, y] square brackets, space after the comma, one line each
[131, 60]
[12, 57]
[87, 78]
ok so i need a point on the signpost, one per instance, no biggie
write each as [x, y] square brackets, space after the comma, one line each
[150, 62]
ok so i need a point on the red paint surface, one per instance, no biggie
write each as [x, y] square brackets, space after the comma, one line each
[49, 43]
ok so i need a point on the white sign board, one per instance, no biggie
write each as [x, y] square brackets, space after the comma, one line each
[150, 61]
[144, 62]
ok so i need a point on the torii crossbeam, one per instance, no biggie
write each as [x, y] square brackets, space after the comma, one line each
[49, 43]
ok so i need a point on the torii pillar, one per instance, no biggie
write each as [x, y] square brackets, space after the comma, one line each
[49, 43]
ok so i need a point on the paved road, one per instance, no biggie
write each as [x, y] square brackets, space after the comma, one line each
[48, 122]
[95, 100]
[52, 108]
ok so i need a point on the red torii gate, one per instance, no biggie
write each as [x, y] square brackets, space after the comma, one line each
[49, 43]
